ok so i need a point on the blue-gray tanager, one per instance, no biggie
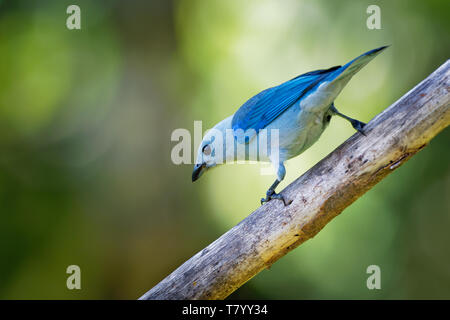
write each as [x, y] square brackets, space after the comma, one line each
[298, 111]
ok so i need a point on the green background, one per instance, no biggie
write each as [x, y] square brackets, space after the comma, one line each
[86, 117]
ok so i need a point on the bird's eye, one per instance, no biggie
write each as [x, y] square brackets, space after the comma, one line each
[206, 150]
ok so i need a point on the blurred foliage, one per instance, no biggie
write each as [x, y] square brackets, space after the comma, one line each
[85, 122]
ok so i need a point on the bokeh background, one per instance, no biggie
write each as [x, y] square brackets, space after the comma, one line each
[86, 118]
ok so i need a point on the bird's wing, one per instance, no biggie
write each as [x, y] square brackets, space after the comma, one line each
[263, 108]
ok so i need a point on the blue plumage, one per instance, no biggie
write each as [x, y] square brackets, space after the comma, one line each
[266, 106]
[263, 108]
[296, 112]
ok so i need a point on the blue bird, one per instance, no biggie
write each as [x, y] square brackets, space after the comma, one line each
[296, 112]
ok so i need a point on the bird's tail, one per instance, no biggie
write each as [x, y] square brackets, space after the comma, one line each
[347, 71]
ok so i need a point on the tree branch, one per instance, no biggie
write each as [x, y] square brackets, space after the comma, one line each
[319, 195]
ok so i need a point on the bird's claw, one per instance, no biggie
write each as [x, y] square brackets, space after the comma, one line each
[359, 126]
[272, 195]
[268, 197]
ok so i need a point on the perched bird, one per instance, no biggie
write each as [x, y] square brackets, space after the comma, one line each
[298, 111]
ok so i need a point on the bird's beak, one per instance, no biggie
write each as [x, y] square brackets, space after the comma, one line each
[198, 170]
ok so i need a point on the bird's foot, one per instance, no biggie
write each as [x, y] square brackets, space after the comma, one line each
[359, 126]
[272, 195]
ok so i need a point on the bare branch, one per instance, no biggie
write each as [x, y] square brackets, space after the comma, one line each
[393, 137]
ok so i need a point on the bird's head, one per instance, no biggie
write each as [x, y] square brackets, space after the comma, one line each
[211, 151]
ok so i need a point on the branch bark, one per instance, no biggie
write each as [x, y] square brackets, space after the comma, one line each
[319, 195]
